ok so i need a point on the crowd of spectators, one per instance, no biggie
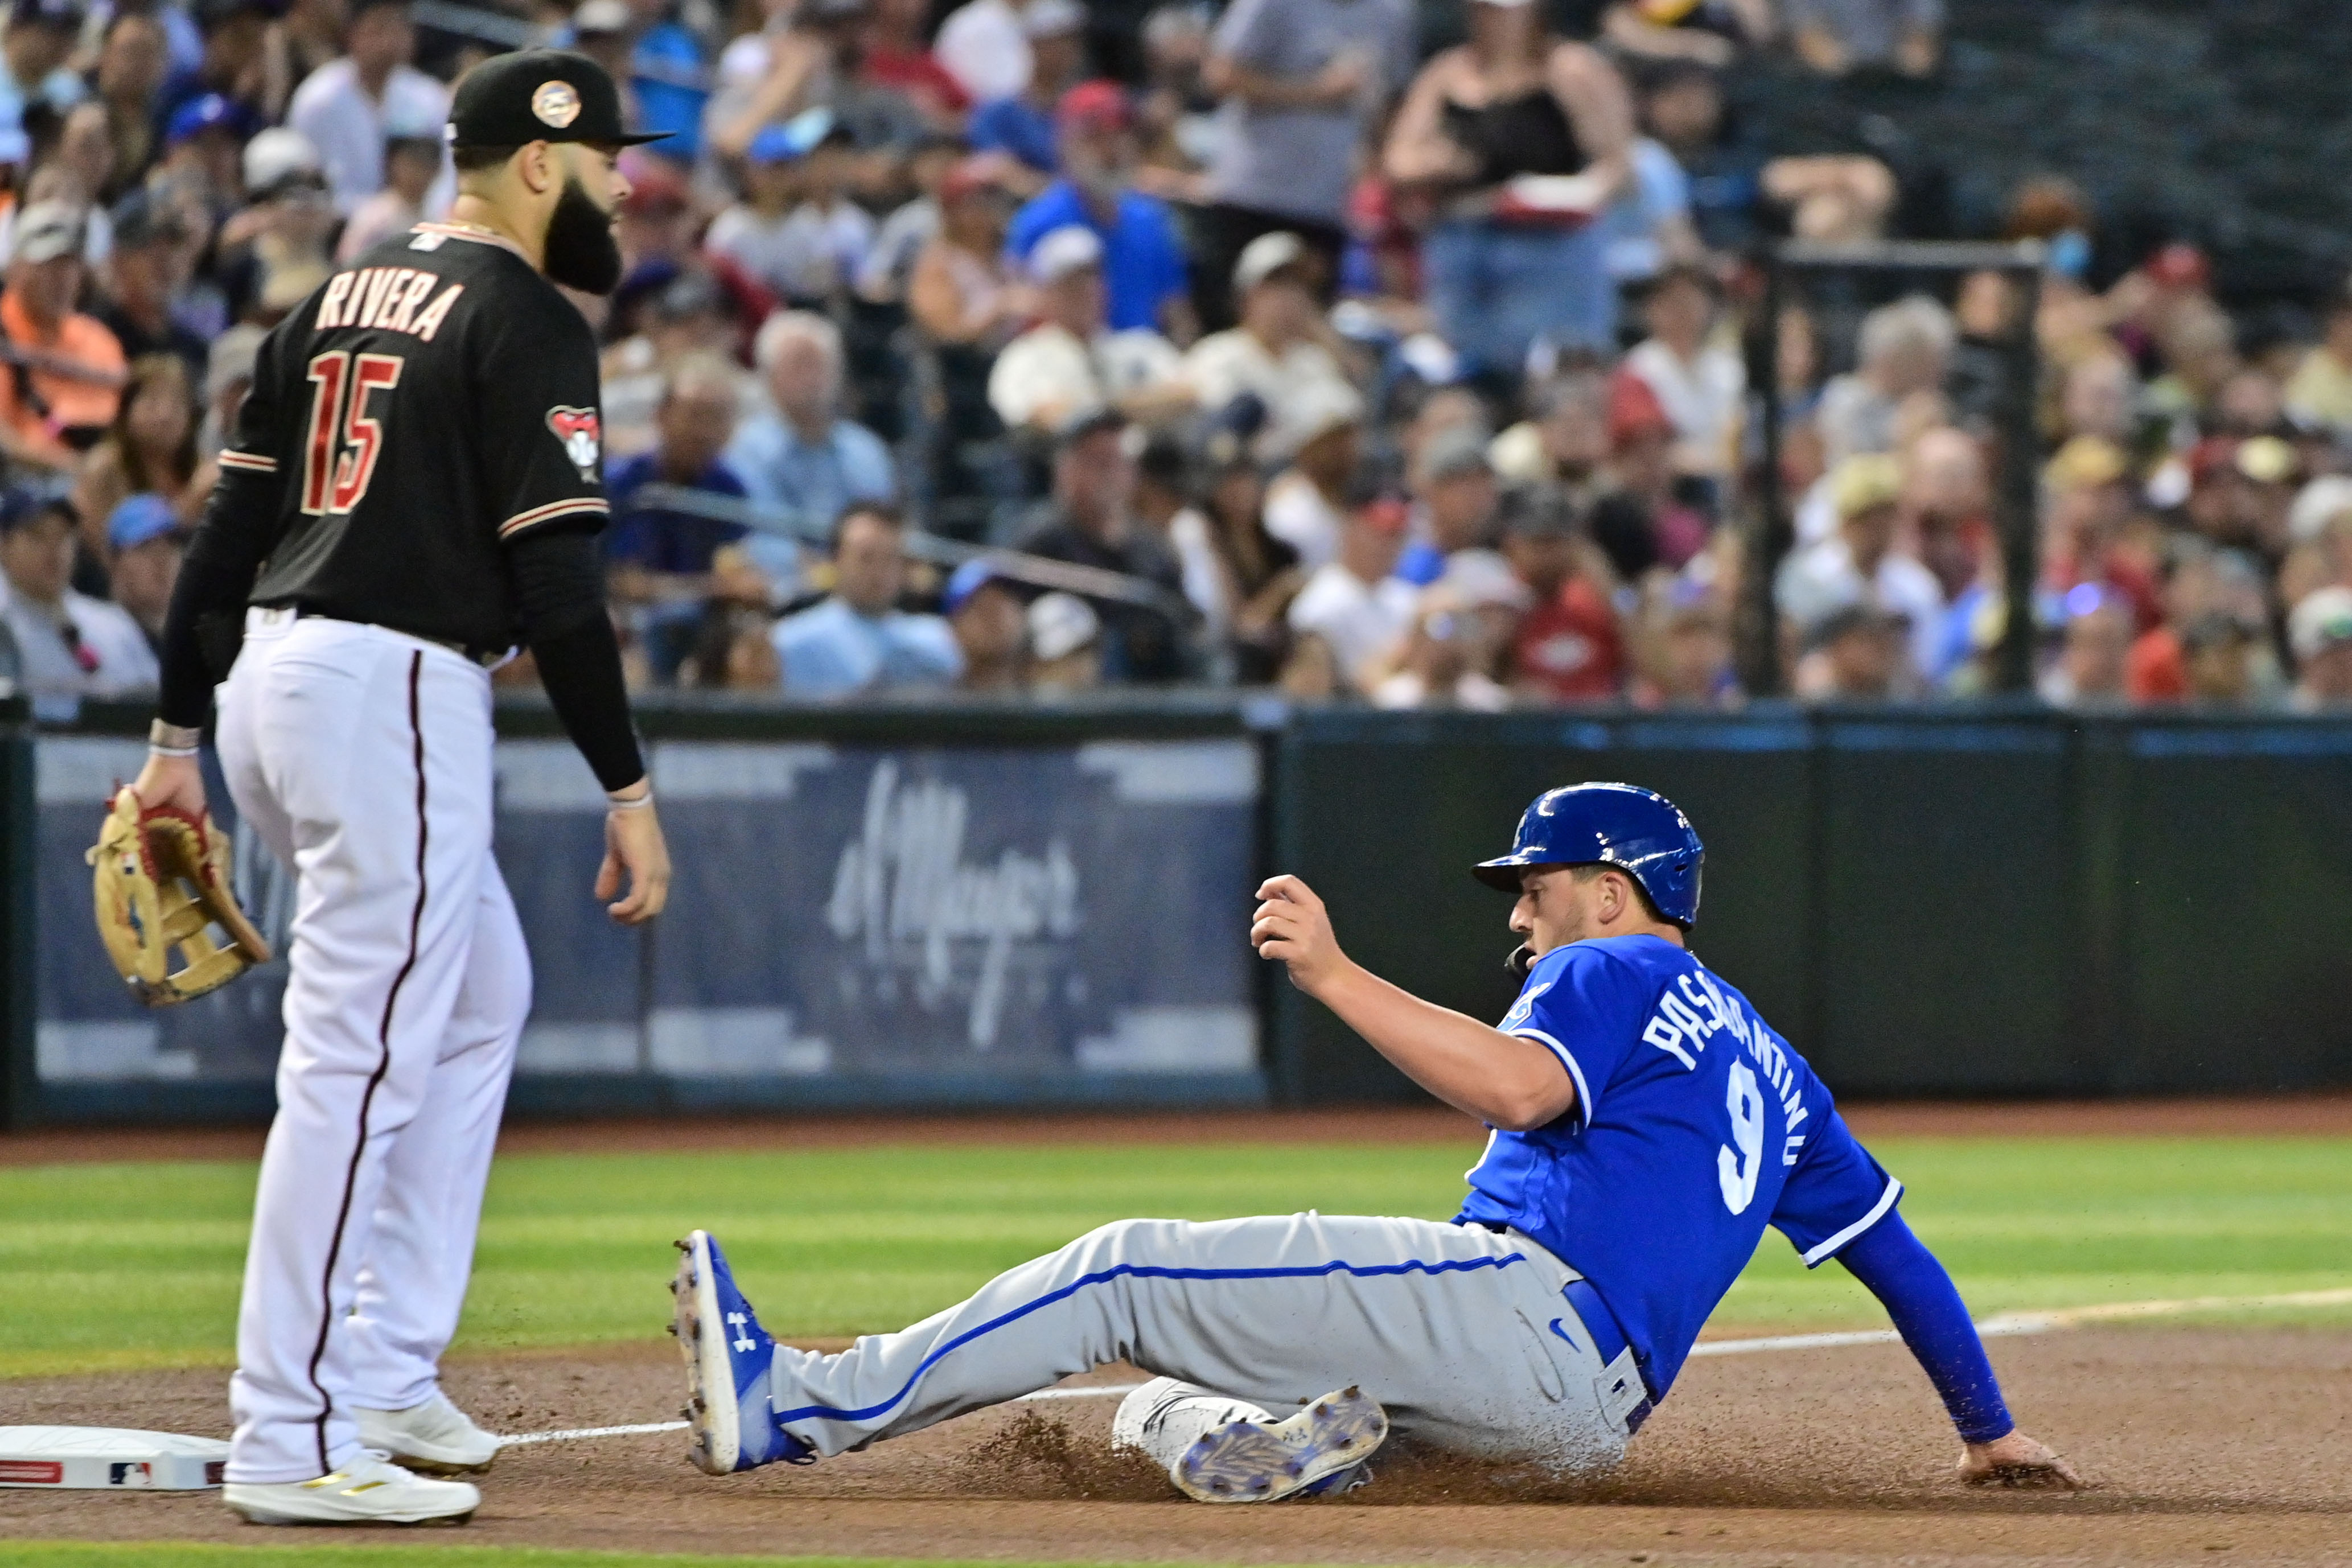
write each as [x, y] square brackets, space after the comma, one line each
[1011, 345]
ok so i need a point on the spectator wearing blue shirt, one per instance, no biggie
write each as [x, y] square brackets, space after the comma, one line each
[803, 459]
[1022, 125]
[659, 560]
[1143, 256]
[670, 78]
[859, 639]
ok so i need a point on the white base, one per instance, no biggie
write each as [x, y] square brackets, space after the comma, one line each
[108, 1458]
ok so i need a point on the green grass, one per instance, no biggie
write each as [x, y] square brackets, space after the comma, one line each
[137, 1264]
[172, 1553]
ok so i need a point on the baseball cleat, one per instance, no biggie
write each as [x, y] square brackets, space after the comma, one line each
[729, 1360]
[1264, 1461]
[369, 1490]
[434, 1438]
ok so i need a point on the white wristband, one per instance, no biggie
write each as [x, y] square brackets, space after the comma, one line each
[172, 751]
[619, 804]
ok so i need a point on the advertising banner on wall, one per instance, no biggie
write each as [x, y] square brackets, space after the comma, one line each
[849, 925]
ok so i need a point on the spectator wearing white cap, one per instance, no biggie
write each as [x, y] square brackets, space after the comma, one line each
[1863, 564]
[1071, 364]
[72, 394]
[1303, 84]
[348, 107]
[983, 45]
[2319, 630]
[1281, 354]
[1319, 440]
[274, 251]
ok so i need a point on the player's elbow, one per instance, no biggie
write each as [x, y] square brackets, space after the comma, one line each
[1525, 1107]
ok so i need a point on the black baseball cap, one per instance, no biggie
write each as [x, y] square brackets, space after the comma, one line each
[539, 95]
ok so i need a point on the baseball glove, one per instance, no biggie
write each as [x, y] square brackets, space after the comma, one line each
[162, 882]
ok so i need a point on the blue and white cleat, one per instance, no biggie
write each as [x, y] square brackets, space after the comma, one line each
[729, 1359]
[1311, 1453]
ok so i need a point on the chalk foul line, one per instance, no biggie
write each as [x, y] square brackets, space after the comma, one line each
[2001, 1326]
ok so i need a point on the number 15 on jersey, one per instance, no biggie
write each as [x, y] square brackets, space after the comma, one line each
[343, 441]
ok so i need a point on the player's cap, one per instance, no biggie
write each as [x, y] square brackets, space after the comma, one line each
[2319, 621]
[207, 112]
[1052, 18]
[1266, 255]
[64, 15]
[139, 519]
[1636, 830]
[46, 231]
[1093, 106]
[1060, 624]
[540, 95]
[601, 20]
[1071, 248]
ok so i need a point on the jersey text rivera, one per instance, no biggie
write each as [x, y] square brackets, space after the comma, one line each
[387, 298]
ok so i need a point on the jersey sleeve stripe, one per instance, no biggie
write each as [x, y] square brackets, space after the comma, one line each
[251, 462]
[579, 505]
[1828, 1249]
[1575, 1074]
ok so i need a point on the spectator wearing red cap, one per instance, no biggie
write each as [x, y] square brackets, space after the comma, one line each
[1143, 256]
[1638, 521]
[1303, 84]
[1354, 610]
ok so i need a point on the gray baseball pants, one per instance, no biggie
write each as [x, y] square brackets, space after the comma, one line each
[1461, 1333]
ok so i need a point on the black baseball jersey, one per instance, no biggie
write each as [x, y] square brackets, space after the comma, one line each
[430, 401]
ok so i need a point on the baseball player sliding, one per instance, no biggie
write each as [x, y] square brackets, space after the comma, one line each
[414, 488]
[1647, 1126]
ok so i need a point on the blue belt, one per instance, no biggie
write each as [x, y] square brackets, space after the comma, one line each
[1608, 1341]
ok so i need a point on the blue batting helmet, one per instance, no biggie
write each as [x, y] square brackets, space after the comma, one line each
[1638, 830]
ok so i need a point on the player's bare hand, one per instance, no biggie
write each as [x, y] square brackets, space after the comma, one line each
[171, 782]
[2017, 1460]
[1292, 925]
[633, 848]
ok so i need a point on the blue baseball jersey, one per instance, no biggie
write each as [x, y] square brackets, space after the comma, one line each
[1694, 1127]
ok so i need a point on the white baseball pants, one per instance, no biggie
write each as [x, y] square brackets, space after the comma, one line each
[1461, 1333]
[362, 757]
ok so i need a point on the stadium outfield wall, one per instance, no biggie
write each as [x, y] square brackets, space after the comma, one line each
[928, 905]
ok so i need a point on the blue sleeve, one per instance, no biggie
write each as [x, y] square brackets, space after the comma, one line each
[1171, 277]
[1586, 1008]
[1030, 223]
[1916, 1293]
[1837, 1191]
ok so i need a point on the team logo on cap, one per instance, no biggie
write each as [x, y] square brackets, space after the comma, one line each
[556, 103]
[582, 433]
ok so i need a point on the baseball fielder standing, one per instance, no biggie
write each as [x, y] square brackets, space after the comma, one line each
[1648, 1126]
[412, 490]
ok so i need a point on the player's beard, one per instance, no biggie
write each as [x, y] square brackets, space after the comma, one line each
[579, 248]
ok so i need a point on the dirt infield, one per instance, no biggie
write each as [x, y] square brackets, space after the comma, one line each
[2204, 1445]
[2313, 1115]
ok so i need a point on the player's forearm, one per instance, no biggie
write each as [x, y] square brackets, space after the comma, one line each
[215, 577]
[1506, 1081]
[1926, 1310]
[558, 585]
